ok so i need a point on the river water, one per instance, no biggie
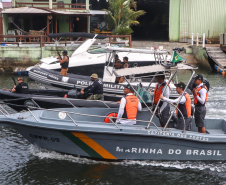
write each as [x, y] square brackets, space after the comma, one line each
[23, 163]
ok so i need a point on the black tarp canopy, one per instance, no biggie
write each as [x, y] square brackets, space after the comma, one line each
[76, 34]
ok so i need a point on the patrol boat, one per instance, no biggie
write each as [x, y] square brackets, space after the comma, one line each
[136, 74]
[88, 58]
[83, 132]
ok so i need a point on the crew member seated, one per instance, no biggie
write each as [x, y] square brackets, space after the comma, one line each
[125, 64]
[21, 87]
[129, 106]
[96, 88]
[118, 62]
[184, 106]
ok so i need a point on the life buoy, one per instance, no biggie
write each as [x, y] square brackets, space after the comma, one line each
[112, 115]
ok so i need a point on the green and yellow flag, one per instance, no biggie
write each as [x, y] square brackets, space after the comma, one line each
[176, 57]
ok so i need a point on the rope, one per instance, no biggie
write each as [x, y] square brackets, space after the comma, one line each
[26, 33]
[19, 27]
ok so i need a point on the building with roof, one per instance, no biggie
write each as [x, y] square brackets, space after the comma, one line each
[50, 16]
[165, 20]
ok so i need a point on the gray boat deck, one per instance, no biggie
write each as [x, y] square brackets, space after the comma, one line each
[217, 55]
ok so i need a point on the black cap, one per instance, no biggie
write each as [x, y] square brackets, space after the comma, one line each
[65, 52]
[199, 77]
[181, 85]
[126, 58]
[129, 87]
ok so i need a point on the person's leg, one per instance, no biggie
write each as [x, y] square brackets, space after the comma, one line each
[200, 113]
[62, 72]
[164, 116]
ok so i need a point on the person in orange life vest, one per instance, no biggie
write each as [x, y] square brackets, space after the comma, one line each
[64, 62]
[184, 106]
[128, 108]
[164, 108]
[200, 93]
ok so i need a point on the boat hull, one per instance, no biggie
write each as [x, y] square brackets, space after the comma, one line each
[89, 136]
[107, 146]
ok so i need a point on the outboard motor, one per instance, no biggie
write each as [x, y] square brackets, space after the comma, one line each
[192, 84]
[178, 49]
[72, 93]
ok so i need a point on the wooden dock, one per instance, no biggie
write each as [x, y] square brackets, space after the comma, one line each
[217, 56]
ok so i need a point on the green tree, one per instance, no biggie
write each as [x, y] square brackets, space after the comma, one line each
[122, 14]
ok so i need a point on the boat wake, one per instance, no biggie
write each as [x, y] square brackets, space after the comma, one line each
[181, 165]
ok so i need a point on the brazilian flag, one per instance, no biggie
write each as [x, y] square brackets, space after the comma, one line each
[176, 57]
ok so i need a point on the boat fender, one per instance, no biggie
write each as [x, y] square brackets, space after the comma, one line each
[112, 115]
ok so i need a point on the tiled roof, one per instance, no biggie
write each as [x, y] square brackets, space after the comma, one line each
[7, 4]
[25, 10]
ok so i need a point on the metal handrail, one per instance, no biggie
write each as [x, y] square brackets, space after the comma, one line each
[90, 115]
[164, 89]
[193, 72]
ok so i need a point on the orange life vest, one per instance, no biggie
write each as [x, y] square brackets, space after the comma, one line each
[185, 108]
[196, 101]
[158, 92]
[130, 111]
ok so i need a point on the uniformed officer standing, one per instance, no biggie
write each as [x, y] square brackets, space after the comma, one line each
[129, 106]
[164, 108]
[200, 93]
[96, 88]
[21, 87]
[184, 106]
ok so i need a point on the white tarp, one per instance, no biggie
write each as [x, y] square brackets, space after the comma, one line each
[150, 69]
[121, 49]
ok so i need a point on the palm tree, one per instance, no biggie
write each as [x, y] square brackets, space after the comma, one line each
[121, 15]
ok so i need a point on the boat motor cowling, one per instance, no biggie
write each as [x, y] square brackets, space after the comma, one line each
[72, 93]
[192, 84]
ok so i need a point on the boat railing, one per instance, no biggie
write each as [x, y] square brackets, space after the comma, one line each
[180, 97]
[175, 106]
[164, 89]
[68, 113]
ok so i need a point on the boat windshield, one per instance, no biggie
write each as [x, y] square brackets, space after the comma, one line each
[96, 50]
[144, 94]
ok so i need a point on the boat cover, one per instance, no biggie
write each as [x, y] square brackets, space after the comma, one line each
[76, 34]
[148, 51]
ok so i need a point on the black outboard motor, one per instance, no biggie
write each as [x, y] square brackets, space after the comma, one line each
[178, 49]
[191, 86]
[73, 93]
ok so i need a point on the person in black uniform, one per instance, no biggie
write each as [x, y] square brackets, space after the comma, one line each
[96, 88]
[64, 62]
[21, 87]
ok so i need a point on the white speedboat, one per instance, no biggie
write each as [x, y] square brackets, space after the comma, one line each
[87, 59]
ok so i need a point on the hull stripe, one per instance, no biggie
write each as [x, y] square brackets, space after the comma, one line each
[89, 145]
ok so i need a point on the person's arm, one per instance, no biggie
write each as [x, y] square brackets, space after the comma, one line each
[121, 110]
[202, 97]
[90, 89]
[139, 108]
[63, 60]
[13, 89]
[182, 101]
[165, 94]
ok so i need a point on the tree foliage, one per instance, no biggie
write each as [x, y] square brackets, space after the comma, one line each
[122, 14]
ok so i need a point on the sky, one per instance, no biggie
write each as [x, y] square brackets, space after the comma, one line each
[6, 0]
